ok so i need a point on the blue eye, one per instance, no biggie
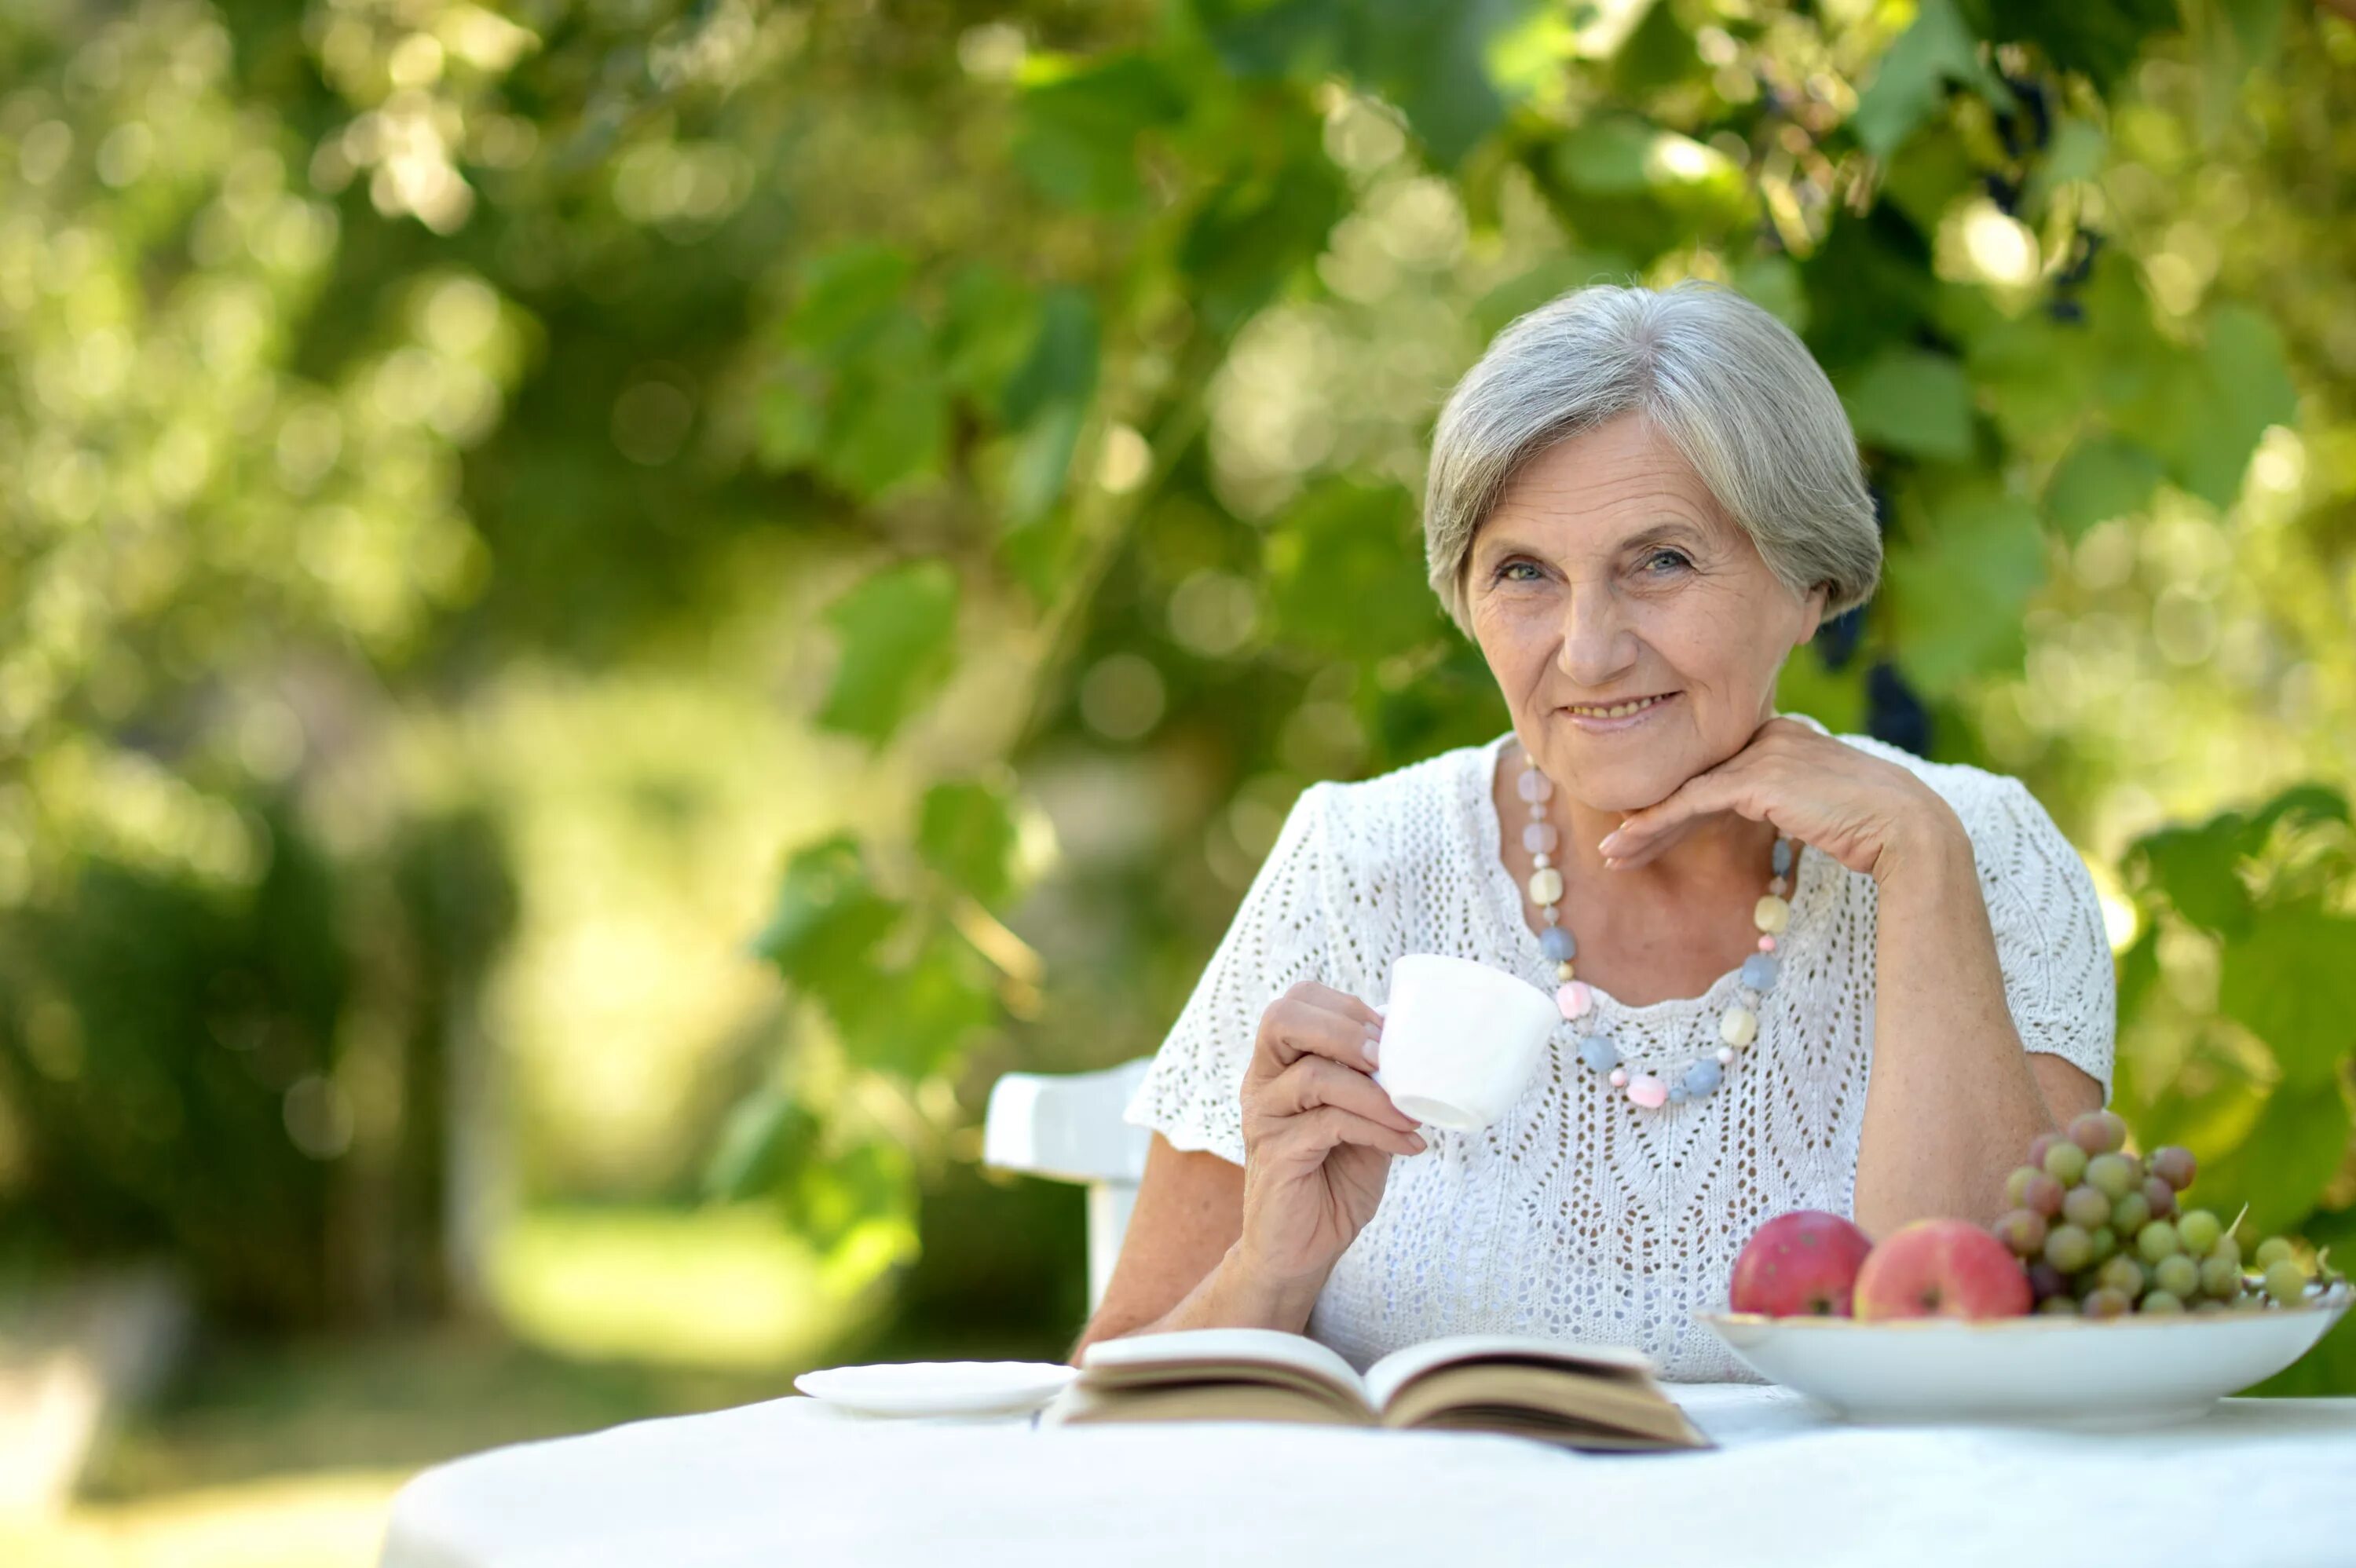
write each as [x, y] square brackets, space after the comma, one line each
[1505, 571]
[1661, 555]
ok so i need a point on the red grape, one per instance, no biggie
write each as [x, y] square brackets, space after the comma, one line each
[2174, 1164]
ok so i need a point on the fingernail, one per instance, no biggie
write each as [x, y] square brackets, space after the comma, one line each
[1609, 840]
[1372, 1056]
[1419, 1145]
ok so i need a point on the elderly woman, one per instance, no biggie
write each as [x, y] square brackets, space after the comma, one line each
[1796, 970]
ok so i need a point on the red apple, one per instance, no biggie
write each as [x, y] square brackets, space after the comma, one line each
[1942, 1268]
[1801, 1265]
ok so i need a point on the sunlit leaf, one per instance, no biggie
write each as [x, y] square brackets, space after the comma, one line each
[1961, 586]
[1256, 233]
[1913, 400]
[2103, 477]
[2280, 1168]
[1345, 572]
[827, 918]
[763, 1142]
[966, 834]
[895, 630]
[1079, 127]
[2291, 977]
[1913, 74]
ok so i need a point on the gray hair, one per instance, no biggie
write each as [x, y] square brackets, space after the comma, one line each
[1733, 389]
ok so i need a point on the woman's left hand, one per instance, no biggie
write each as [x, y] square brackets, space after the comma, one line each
[1866, 813]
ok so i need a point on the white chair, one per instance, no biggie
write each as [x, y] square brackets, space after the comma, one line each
[1068, 1128]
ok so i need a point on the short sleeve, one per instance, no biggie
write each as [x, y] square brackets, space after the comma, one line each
[1192, 1093]
[2049, 937]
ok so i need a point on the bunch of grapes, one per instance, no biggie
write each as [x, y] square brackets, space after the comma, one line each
[2103, 1233]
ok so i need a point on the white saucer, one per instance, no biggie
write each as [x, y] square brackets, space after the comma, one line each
[938, 1388]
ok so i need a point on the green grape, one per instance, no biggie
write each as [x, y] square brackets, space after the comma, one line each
[2106, 1240]
[2221, 1277]
[2198, 1229]
[2016, 1186]
[2285, 1281]
[2065, 1162]
[2131, 1213]
[2069, 1248]
[2124, 1275]
[2106, 1303]
[2178, 1275]
[2085, 1207]
[2114, 1174]
[2229, 1248]
[2058, 1307]
[2272, 1251]
[2161, 1301]
[2021, 1230]
[2158, 1241]
[2209, 1305]
[2098, 1132]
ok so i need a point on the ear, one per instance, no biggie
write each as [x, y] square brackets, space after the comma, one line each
[1812, 610]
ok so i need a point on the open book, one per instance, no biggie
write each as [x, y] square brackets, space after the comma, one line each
[1576, 1395]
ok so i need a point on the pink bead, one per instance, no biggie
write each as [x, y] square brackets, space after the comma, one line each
[1540, 837]
[1619, 1078]
[1574, 999]
[1649, 1092]
[1766, 944]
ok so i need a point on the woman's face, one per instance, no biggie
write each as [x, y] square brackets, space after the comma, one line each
[1607, 575]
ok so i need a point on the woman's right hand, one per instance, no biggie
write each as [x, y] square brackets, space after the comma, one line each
[1319, 1133]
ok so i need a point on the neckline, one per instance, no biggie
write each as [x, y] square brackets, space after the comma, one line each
[1505, 898]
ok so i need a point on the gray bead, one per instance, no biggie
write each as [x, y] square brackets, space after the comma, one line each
[1704, 1077]
[1600, 1052]
[1783, 857]
[1558, 944]
[1758, 971]
[1677, 1096]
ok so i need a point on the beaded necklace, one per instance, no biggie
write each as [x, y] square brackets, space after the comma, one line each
[1737, 1026]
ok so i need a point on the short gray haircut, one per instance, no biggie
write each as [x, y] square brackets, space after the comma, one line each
[1732, 389]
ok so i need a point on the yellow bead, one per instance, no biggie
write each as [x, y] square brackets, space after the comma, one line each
[1772, 915]
[1563, 972]
[1737, 1026]
[1546, 886]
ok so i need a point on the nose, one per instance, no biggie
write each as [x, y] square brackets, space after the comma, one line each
[1597, 645]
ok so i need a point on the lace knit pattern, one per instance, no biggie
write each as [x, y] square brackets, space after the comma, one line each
[1578, 1216]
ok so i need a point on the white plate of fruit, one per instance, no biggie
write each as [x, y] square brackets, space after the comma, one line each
[2102, 1299]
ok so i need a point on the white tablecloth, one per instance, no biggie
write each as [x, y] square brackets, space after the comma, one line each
[794, 1482]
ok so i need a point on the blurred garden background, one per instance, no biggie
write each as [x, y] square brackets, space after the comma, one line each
[610, 606]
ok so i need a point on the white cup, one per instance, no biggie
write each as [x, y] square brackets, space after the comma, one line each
[1459, 1040]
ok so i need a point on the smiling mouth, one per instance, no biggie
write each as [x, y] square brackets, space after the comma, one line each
[1617, 710]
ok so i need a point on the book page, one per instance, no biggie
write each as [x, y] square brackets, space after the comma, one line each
[1396, 1370]
[1193, 1353]
[1572, 1406]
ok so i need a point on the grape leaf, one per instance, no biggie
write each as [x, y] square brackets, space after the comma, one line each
[1913, 400]
[2104, 477]
[2291, 977]
[896, 631]
[966, 835]
[2279, 1168]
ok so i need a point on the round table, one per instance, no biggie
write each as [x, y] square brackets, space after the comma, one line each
[795, 1482]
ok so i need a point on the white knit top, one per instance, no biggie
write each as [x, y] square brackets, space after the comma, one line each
[1581, 1216]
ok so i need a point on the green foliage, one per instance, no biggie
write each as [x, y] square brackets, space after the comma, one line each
[896, 631]
[2269, 1115]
